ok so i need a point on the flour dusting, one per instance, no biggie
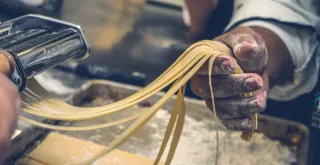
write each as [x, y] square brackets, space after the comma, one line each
[197, 145]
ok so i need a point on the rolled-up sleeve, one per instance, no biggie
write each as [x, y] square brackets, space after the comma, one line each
[297, 27]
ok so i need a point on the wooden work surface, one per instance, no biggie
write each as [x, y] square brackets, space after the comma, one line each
[59, 149]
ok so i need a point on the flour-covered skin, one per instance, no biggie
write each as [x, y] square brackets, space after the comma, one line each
[250, 53]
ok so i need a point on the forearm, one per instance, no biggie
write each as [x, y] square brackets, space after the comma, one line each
[199, 11]
[279, 68]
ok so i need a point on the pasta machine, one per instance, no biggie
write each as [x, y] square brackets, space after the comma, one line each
[37, 43]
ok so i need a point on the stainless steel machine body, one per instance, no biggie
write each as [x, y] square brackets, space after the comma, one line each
[37, 43]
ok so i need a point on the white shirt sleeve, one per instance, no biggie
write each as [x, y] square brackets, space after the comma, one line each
[297, 28]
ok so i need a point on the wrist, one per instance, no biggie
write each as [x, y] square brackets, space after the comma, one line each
[279, 68]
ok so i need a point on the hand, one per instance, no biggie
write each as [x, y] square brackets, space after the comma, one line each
[10, 106]
[250, 53]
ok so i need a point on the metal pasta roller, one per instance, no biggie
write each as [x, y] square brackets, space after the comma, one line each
[37, 43]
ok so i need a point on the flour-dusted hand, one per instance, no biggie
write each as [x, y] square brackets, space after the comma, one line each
[250, 53]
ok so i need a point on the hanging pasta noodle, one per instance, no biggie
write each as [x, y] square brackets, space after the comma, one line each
[38, 102]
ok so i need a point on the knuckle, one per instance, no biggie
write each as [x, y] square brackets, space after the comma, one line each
[236, 85]
[261, 102]
[258, 104]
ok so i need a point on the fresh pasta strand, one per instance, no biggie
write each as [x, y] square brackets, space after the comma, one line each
[87, 113]
[179, 126]
[145, 118]
[210, 66]
[38, 102]
[172, 121]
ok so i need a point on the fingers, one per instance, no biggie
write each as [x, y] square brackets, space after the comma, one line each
[10, 101]
[9, 111]
[237, 107]
[223, 64]
[235, 113]
[250, 54]
[226, 85]
[248, 47]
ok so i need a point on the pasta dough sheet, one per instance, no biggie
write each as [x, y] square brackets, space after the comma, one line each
[59, 149]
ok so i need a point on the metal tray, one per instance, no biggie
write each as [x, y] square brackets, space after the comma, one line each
[287, 132]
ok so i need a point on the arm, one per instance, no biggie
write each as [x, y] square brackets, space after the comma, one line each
[276, 51]
[279, 68]
[10, 105]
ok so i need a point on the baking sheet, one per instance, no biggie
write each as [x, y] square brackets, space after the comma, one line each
[93, 93]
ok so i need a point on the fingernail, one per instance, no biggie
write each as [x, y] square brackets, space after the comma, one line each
[252, 83]
[228, 66]
[225, 63]
[253, 106]
[256, 105]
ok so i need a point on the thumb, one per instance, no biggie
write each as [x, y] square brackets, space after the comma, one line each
[248, 47]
